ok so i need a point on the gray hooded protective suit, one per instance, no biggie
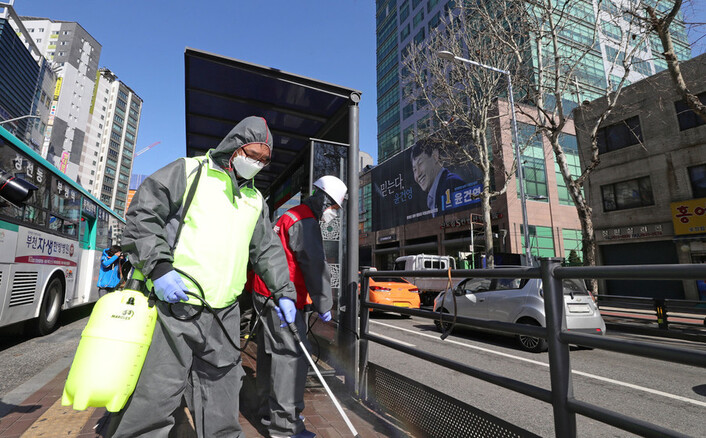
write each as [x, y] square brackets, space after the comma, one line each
[196, 348]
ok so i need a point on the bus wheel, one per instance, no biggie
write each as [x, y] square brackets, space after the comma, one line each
[51, 308]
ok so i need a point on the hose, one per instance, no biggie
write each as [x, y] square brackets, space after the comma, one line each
[199, 310]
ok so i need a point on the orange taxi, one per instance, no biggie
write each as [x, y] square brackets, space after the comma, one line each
[393, 291]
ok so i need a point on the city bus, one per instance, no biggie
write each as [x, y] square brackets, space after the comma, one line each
[52, 235]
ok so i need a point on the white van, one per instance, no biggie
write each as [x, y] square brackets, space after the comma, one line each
[429, 288]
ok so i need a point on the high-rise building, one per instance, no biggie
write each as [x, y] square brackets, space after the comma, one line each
[26, 81]
[74, 53]
[404, 22]
[108, 152]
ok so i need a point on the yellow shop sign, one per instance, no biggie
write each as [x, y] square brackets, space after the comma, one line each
[689, 217]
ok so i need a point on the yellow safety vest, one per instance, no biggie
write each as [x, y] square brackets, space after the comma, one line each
[214, 245]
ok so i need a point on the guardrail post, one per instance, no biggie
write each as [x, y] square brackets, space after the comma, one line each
[559, 363]
[661, 311]
[363, 343]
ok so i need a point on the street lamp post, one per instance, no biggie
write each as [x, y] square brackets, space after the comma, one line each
[443, 54]
[19, 118]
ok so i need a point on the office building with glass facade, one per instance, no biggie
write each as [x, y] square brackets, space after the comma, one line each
[553, 222]
[26, 81]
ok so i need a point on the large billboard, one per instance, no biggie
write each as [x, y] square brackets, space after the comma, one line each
[419, 184]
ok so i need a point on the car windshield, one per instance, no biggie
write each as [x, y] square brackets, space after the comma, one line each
[574, 287]
[389, 279]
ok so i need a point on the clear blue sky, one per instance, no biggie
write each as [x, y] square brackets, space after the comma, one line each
[144, 40]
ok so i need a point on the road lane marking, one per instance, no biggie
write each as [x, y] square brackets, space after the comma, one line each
[406, 344]
[581, 373]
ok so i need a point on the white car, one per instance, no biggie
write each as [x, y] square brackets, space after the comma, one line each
[520, 301]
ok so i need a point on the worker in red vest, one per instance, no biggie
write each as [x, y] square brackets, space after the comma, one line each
[281, 366]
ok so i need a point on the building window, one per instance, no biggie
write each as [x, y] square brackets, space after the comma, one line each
[623, 195]
[571, 153]
[407, 111]
[404, 12]
[619, 135]
[572, 242]
[535, 174]
[419, 37]
[686, 117]
[434, 21]
[697, 177]
[418, 18]
[541, 240]
[404, 33]
[408, 137]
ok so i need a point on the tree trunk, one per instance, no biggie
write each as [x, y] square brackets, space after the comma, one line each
[488, 227]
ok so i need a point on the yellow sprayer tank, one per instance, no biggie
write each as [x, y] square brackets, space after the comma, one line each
[111, 353]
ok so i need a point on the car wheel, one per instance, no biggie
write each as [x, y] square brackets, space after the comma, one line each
[51, 308]
[529, 343]
[447, 326]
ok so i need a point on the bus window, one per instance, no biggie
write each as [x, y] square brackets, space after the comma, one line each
[66, 204]
[35, 216]
[20, 166]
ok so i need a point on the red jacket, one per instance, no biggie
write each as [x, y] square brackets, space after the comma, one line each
[284, 223]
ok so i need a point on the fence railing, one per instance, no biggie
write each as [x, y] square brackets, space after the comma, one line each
[560, 396]
[663, 312]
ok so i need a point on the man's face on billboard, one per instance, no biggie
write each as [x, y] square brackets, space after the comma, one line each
[425, 167]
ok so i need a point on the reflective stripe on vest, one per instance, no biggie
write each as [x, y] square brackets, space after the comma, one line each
[284, 223]
[214, 246]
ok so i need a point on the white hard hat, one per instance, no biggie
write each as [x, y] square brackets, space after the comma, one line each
[333, 187]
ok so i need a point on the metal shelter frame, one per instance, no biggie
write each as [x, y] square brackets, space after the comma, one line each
[221, 91]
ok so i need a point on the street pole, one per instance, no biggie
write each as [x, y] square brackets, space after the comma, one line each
[520, 172]
[19, 118]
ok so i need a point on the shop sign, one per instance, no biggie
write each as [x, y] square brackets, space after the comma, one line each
[689, 217]
[64, 161]
[456, 223]
[387, 238]
[633, 232]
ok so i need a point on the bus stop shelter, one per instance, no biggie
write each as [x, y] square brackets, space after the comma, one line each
[311, 121]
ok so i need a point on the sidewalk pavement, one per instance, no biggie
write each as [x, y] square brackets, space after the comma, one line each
[42, 415]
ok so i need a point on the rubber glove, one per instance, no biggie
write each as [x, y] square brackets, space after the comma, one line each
[286, 311]
[326, 317]
[170, 288]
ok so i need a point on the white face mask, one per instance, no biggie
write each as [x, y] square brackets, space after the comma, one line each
[246, 167]
[329, 215]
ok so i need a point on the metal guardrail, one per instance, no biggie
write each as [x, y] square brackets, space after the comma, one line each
[662, 311]
[565, 405]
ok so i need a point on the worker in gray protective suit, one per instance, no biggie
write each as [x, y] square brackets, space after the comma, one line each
[281, 365]
[204, 217]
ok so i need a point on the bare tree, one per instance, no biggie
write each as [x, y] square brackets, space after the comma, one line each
[562, 76]
[660, 23]
[461, 100]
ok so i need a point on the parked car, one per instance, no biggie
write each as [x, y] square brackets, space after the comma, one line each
[520, 301]
[393, 291]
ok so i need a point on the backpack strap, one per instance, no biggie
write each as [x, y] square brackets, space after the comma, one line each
[187, 203]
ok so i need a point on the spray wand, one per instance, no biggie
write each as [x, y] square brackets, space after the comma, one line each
[295, 333]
